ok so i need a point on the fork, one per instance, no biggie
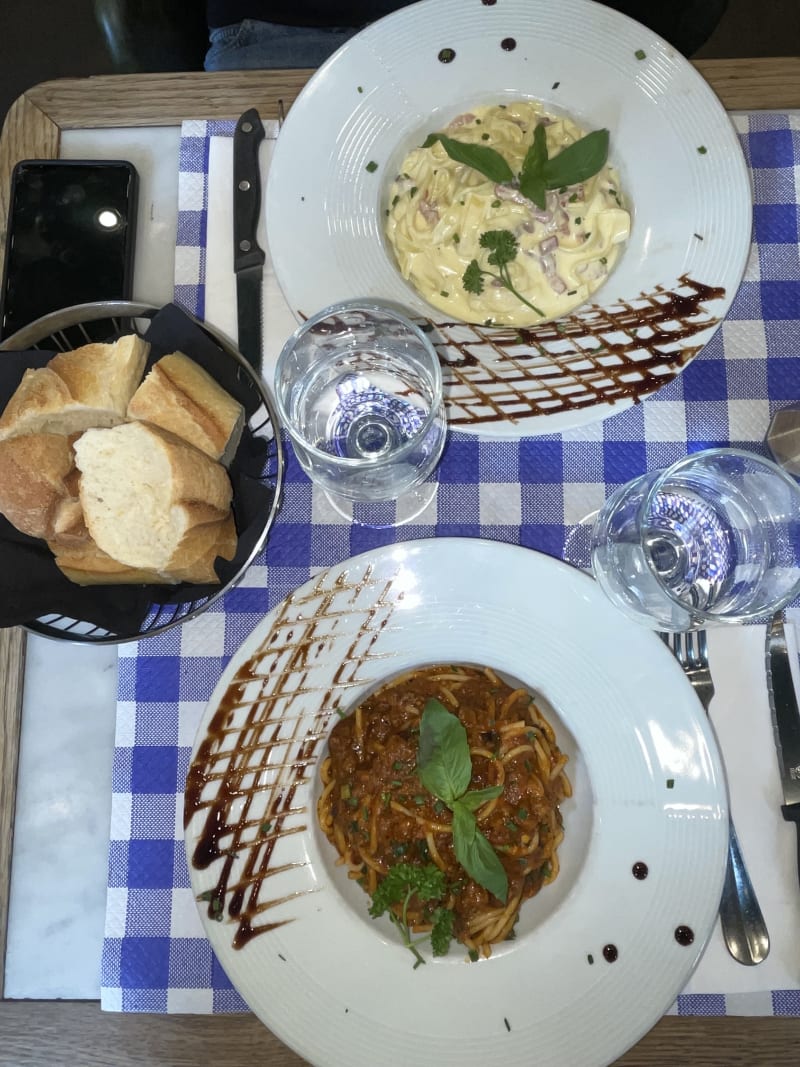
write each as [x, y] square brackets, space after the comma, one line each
[743, 926]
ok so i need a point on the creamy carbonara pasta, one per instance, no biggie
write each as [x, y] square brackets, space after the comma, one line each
[438, 209]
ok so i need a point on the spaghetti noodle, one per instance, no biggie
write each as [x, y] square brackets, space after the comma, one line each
[376, 812]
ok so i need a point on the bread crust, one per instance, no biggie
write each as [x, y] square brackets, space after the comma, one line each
[91, 386]
[33, 474]
[193, 561]
[180, 396]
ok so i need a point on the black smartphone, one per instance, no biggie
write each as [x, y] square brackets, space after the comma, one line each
[70, 239]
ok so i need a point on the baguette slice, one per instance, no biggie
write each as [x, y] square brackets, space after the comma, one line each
[33, 481]
[86, 564]
[179, 396]
[143, 491]
[91, 386]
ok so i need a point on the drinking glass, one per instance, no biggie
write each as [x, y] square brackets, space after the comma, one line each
[715, 538]
[359, 389]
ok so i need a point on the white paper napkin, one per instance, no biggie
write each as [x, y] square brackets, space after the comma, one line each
[742, 720]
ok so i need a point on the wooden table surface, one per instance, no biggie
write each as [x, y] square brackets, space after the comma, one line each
[56, 1033]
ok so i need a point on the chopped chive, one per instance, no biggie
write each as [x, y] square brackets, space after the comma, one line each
[361, 88]
[495, 203]
[702, 149]
[398, 765]
[670, 783]
[266, 827]
[372, 166]
[590, 958]
[444, 292]
[484, 136]
[640, 53]
[413, 191]
[473, 955]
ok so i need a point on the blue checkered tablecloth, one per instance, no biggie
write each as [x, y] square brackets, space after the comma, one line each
[532, 492]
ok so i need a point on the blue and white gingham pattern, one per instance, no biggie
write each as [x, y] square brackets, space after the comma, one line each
[531, 492]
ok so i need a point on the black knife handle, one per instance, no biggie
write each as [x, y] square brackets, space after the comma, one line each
[247, 137]
[791, 812]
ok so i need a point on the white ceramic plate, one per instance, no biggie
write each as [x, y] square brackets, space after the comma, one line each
[383, 91]
[338, 986]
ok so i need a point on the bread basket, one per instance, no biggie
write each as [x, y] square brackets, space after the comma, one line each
[156, 611]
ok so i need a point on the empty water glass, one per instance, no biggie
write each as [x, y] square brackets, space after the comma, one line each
[715, 538]
[359, 390]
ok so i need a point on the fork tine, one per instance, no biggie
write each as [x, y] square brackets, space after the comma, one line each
[702, 648]
[691, 654]
[678, 648]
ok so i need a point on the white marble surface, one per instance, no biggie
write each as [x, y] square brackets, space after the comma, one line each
[59, 862]
[58, 873]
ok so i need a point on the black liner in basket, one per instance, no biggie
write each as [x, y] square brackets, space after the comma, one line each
[34, 592]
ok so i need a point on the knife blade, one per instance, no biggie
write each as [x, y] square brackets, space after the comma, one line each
[785, 721]
[248, 256]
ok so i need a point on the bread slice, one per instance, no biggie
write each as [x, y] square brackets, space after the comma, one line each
[144, 490]
[91, 386]
[86, 564]
[181, 397]
[33, 481]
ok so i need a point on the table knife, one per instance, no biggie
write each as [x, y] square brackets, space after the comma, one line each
[248, 257]
[785, 721]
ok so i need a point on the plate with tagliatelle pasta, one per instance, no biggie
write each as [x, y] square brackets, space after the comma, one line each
[447, 805]
[549, 188]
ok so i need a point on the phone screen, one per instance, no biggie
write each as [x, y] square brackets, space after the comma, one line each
[70, 237]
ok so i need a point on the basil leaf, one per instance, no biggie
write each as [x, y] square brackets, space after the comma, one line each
[531, 178]
[476, 855]
[444, 765]
[476, 798]
[534, 187]
[536, 156]
[480, 157]
[577, 161]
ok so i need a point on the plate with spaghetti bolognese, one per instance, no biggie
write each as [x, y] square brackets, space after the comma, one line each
[447, 805]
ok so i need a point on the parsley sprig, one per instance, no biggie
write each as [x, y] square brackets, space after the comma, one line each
[403, 882]
[444, 766]
[503, 249]
[575, 163]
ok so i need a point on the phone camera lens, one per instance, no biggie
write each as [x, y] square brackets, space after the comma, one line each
[108, 218]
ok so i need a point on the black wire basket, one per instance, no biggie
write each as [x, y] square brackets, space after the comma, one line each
[115, 614]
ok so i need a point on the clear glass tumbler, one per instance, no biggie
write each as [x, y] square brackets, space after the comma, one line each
[715, 538]
[359, 390]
